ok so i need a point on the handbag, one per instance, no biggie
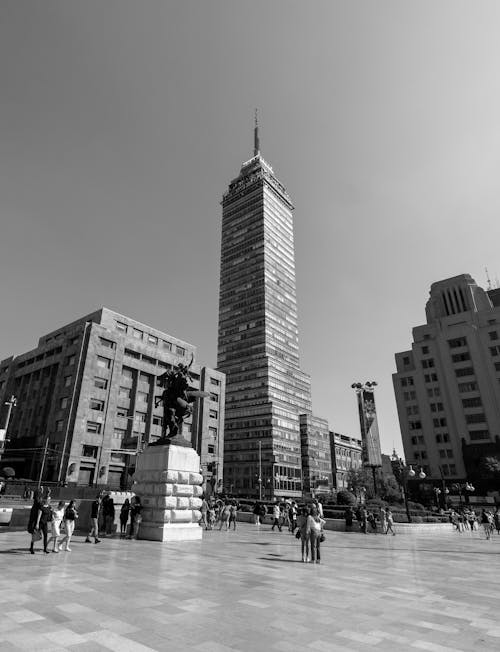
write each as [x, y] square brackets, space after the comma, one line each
[297, 534]
[36, 535]
[321, 537]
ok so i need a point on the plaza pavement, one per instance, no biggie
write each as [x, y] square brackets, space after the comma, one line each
[248, 590]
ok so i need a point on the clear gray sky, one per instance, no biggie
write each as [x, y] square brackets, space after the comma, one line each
[122, 122]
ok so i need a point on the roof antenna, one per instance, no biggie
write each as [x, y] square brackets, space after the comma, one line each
[488, 278]
[256, 144]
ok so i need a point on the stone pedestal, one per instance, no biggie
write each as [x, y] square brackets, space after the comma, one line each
[168, 482]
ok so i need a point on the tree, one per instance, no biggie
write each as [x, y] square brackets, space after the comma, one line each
[490, 467]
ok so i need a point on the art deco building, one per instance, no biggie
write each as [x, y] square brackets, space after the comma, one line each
[346, 455]
[447, 385]
[85, 401]
[258, 347]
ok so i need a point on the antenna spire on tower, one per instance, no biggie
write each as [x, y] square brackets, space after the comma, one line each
[488, 278]
[256, 144]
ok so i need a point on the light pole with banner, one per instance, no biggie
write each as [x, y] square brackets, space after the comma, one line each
[370, 438]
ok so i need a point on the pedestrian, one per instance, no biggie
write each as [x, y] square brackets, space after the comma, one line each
[319, 507]
[204, 512]
[390, 522]
[35, 534]
[135, 517]
[303, 533]
[57, 519]
[70, 516]
[487, 522]
[95, 509]
[124, 514]
[284, 515]
[292, 516]
[496, 520]
[348, 515]
[108, 508]
[43, 519]
[276, 516]
[372, 521]
[315, 529]
[224, 515]
[233, 514]
[383, 521]
[364, 520]
[211, 514]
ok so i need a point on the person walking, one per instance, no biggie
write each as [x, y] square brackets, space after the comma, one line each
[383, 521]
[487, 522]
[108, 508]
[233, 514]
[276, 516]
[124, 514]
[390, 522]
[303, 533]
[70, 516]
[44, 517]
[224, 515]
[496, 520]
[135, 517]
[292, 516]
[204, 511]
[57, 519]
[314, 527]
[35, 534]
[364, 520]
[95, 508]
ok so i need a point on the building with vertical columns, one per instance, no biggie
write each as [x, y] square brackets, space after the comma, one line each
[447, 386]
[258, 344]
[85, 402]
[346, 455]
[317, 473]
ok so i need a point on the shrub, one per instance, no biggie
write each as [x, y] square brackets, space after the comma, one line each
[418, 507]
[399, 517]
[375, 502]
[417, 519]
[432, 519]
[346, 498]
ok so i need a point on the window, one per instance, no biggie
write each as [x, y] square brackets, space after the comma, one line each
[132, 354]
[141, 416]
[445, 469]
[436, 407]
[166, 345]
[428, 363]
[439, 423]
[453, 469]
[479, 434]
[109, 344]
[124, 392]
[137, 333]
[146, 358]
[144, 378]
[460, 357]
[119, 433]
[67, 381]
[475, 418]
[89, 451]
[211, 449]
[407, 382]
[127, 373]
[495, 350]
[157, 421]
[164, 365]
[180, 350]
[438, 439]
[212, 432]
[100, 383]
[457, 342]
[63, 403]
[70, 360]
[142, 397]
[415, 425]
[406, 361]
[213, 414]
[215, 381]
[93, 426]
[97, 404]
[442, 453]
[497, 366]
[152, 339]
[465, 371]
[493, 335]
[449, 452]
[104, 363]
[467, 387]
[121, 411]
[446, 437]
[472, 402]
[414, 441]
[214, 397]
[120, 326]
[59, 425]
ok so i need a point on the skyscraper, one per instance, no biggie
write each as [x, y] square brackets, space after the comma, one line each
[447, 386]
[258, 336]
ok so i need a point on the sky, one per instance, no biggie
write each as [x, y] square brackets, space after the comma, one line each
[122, 123]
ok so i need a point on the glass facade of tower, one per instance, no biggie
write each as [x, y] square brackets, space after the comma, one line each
[258, 337]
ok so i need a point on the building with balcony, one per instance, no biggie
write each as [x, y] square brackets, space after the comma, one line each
[85, 402]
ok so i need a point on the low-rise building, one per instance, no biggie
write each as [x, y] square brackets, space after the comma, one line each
[86, 402]
[346, 455]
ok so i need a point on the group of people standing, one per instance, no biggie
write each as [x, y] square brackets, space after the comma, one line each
[218, 511]
[46, 519]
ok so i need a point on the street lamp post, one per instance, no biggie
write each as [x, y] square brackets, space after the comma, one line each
[464, 490]
[12, 402]
[405, 472]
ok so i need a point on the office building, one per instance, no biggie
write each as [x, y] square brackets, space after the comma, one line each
[346, 456]
[258, 346]
[447, 385]
[86, 402]
[317, 474]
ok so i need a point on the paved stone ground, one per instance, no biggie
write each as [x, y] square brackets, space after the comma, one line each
[248, 590]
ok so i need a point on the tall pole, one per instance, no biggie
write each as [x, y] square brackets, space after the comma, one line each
[260, 470]
[43, 462]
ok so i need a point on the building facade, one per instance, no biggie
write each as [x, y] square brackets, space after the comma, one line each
[346, 455]
[317, 473]
[258, 346]
[447, 386]
[86, 402]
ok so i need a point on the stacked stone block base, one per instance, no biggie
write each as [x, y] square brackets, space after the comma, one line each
[168, 481]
